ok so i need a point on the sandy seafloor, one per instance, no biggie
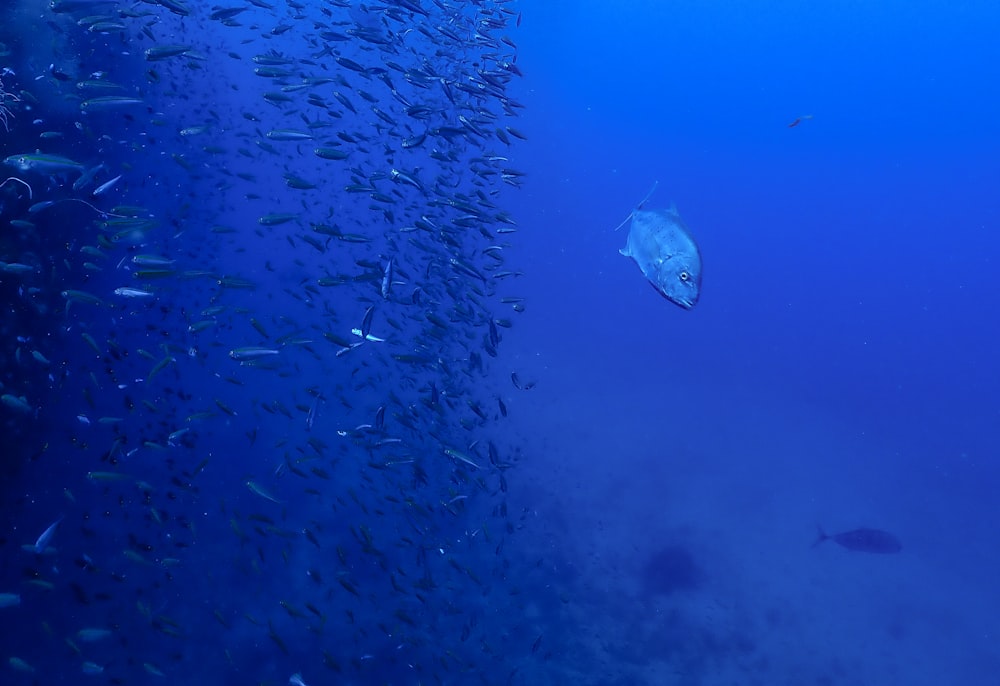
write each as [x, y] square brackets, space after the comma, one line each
[740, 478]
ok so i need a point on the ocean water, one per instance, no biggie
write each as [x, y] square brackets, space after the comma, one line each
[535, 470]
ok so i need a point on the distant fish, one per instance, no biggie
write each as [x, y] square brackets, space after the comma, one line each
[10, 599]
[799, 120]
[43, 541]
[661, 245]
[92, 635]
[863, 540]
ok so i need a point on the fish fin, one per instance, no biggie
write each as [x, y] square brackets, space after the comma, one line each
[624, 251]
[639, 206]
[648, 195]
[822, 536]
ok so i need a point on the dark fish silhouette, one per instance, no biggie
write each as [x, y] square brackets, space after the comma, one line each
[864, 540]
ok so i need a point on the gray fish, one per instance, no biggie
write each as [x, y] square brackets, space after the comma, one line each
[43, 541]
[863, 540]
[662, 246]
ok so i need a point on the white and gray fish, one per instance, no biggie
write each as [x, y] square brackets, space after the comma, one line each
[661, 244]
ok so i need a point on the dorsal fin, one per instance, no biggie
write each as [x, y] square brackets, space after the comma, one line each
[639, 206]
[648, 195]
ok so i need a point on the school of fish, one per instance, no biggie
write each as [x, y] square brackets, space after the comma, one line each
[254, 266]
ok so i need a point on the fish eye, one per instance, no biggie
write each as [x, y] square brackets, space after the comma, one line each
[684, 276]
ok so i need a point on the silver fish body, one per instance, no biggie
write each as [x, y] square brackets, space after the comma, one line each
[662, 247]
[43, 541]
[43, 164]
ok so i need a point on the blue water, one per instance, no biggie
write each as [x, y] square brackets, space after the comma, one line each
[639, 503]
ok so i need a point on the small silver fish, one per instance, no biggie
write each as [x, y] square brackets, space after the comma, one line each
[387, 279]
[43, 541]
[106, 186]
[311, 415]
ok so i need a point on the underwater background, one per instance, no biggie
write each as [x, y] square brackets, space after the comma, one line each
[321, 365]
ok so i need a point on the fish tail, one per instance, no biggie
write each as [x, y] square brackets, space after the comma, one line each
[822, 536]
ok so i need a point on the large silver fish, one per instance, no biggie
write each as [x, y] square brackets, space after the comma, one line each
[662, 246]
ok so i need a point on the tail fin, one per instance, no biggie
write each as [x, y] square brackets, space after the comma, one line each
[821, 537]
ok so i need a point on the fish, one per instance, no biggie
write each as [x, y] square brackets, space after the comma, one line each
[225, 13]
[256, 489]
[461, 457]
[92, 635]
[366, 323]
[152, 261]
[385, 201]
[162, 52]
[863, 540]
[43, 164]
[329, 153]
[87, 177]
[19, 665]
[153, 669]
[107, 185]
[288, 135]
[107, 103]
[174, 6]
[92, 668]
[127, 292]
[662, 247]
[61, 6]
[18, 403]
[387, 279]
[43, 541]
[277, 218]
[252, 353]
[10, 599]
